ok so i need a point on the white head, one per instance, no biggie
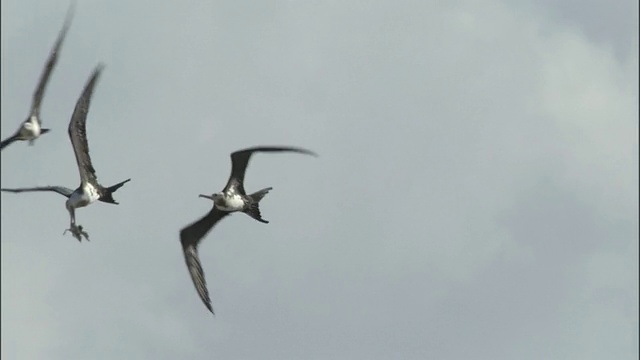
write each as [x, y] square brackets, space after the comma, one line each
[214, 197]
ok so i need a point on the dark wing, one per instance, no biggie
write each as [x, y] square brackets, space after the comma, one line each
[78, 130]
[190, 236]
[59, 189]
[8, 141]
[240, 161]
[51, 63]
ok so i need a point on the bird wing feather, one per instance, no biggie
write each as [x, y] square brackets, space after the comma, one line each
[38, 94]
[78, 131]
[8, 141]
[59, 189]
[190, 237]
[240, 161]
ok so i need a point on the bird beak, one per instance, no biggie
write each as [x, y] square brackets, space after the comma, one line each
[206, 196]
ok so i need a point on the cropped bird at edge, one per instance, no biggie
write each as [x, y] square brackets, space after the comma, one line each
[233, 198]
[90, 189]
[31, 128]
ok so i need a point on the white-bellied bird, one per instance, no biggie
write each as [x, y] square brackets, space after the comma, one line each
[233, 198]
[90, 189]
[31, 128]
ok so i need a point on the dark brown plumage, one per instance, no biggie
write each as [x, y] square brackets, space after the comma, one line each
[192, 234]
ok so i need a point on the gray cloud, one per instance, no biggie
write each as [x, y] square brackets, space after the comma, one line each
[612, 24]
[476, 193]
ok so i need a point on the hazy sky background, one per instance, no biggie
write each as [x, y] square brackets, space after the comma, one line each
[476, 194]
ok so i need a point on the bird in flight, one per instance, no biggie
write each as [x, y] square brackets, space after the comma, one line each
[90, 189]
[31, 128]
[233, 198]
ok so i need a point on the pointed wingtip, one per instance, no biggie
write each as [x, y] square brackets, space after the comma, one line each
[307, 152]
[99, 67]
[71, 10]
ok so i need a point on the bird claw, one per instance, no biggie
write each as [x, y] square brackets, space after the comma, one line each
[77, 232]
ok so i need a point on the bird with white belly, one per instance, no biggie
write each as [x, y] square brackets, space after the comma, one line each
[90, 189]
[233, 198]
[31, 128]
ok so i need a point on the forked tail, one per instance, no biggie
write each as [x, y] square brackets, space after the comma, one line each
[254, 208]
[107, 197]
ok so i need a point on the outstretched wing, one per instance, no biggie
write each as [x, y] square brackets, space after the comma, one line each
[8, 141]
[51, 63]
[78, 130]
[190, 237]
[59, 189]
[240, 161]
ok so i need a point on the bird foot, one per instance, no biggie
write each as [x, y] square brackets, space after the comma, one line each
[77, 232]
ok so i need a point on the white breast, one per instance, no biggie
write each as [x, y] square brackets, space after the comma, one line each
[77, 200]
[233, 203]
[31, 129]
[83, 196]
[91, 192]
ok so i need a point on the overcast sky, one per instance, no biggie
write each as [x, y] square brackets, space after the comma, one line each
[476, 194]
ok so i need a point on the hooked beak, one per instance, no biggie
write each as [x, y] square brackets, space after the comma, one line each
[206, 196]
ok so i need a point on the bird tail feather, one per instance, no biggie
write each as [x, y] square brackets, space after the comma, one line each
[107, 197]
[254, 208]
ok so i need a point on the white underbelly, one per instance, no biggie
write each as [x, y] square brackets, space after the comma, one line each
[84, 196]
[234, 203]
[30, 129]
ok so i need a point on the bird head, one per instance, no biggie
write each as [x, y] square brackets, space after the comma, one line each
[212, 197]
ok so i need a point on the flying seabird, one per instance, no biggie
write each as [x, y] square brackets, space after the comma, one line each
[31, 128]
[90, 189]
[233, 198]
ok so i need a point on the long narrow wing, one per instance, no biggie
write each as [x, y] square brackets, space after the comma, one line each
[38, 94]
[240, 161]
[10, 140]
[59, 189]
[190, 237]
[78, 130]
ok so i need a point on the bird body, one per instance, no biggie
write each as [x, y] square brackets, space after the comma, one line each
[230, 202]
[233, 198]
[90, 190]
[31, 128]
[106, 196]
[83, 196]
